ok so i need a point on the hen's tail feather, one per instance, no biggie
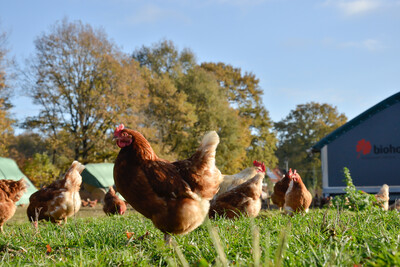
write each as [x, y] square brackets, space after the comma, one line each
[384, 191]
[209, 144]
[205, 157]
[77, 165]
[111, 190]
[208, 176]
[72, 177]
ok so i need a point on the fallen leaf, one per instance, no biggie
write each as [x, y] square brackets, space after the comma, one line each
[129, 234]
[48, 249]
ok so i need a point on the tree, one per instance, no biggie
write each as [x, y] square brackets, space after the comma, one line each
[214, 113]
[170, 113]
[6, 122]
[25, 145]
[186, 102]
[299, 131]
[84, 85]
[40, 170]
[164, 58]
[244, 93]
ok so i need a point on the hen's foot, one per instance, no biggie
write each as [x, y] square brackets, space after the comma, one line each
[167, 239]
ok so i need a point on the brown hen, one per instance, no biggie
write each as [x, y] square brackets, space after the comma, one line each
[382, 197]
[243, 199]
[60, 199]
[278, 196]
[112, 203]
[297, 196]
[10, 192]
[231, 181]
[174, 195]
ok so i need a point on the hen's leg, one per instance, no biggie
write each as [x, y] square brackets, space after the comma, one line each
[1, 228]
[167, 239]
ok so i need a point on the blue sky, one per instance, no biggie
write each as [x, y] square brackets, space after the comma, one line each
[344, 53]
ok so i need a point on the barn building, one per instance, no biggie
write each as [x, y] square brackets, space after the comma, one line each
[369, 146]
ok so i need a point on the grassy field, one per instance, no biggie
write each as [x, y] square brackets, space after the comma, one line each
[320, 238]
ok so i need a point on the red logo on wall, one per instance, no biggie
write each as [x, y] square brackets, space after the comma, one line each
[363, 147]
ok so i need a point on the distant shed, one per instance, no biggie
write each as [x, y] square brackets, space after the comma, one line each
[96, 178]
[368, 145]
[9, 170]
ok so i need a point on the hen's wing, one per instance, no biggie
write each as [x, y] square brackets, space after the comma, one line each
[248, 189]
[199, 171]
[165, 180]
[45, 194]
[40, 202]
[197, 174]
[230, 181]
[280, 188]
[236, 199]
[3, 196]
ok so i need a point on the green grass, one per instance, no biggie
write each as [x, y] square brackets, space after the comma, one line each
[320, 238]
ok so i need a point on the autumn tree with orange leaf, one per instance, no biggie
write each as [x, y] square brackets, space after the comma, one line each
[83, 85]
[299, 131]
[6, 122]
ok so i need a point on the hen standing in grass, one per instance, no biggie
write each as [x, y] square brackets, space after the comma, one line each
[297, 197]
[174, 195]
[278, 196]
[112, 203]
[383, 197]
[231, 181]
[395, 205]
[10, 192]
[60, 199]
[243, 199]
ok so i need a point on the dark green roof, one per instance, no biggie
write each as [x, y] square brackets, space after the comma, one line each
[356, 121]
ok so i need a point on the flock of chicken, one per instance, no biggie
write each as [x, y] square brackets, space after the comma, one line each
[176, 196]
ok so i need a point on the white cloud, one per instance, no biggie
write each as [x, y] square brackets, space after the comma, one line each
[355, 7]
[361, 7]
[240, 2]
[368, 44]
[153, 14]
[372, 44]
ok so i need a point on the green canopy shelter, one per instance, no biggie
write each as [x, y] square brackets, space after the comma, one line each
[9, 170]
[96, 178]
[99, 175]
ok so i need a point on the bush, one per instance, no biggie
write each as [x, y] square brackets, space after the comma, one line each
[40, 170]
[354, 199]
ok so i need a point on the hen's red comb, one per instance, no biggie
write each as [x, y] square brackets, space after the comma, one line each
[118, 130]
[290, 173]
[259, 164]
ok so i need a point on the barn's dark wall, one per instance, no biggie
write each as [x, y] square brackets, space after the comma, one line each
[378, 159]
